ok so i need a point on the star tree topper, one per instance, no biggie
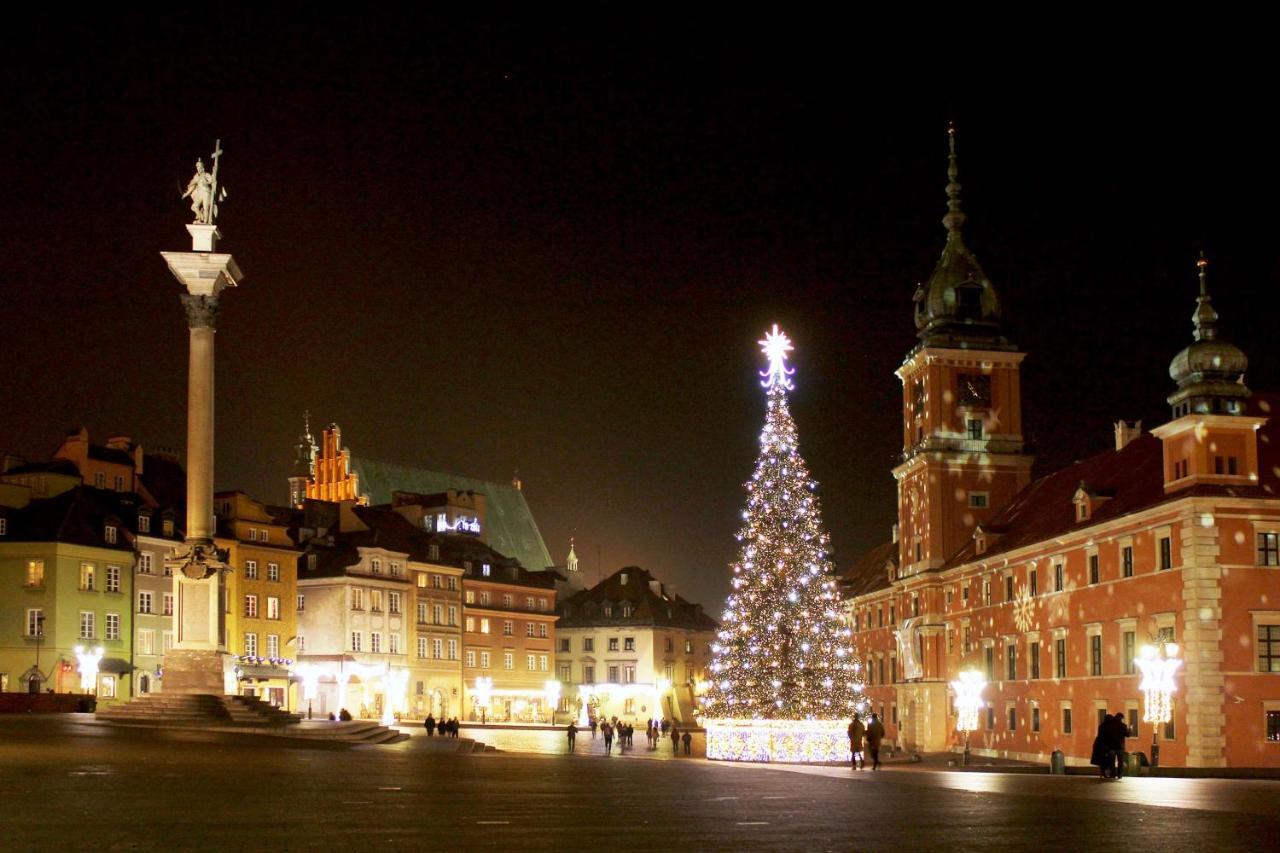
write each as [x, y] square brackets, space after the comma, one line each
[775, 346]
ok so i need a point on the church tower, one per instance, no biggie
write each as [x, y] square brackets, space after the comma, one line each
[1211, 440]
[962, 445]
[304, 463]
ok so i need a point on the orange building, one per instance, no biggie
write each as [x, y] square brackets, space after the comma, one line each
[1050, 587]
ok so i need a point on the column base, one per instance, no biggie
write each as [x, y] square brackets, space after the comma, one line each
[196, 671]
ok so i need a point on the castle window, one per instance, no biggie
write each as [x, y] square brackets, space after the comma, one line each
[978, 500]
[974, 426]
[1269, 549]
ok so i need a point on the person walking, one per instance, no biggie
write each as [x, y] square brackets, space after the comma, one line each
[1100, 755]
[607, 731]
[595, 724]
[572, 731]
[675, 740]
[430, 725]
[875, 735]
[1117, 731]
[687, 740]
[856, 732]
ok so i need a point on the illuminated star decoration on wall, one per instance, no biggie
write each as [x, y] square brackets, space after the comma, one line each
[775, 346]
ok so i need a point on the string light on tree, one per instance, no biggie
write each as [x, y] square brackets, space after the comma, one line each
[782, 654]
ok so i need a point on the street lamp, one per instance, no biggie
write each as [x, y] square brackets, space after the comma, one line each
[968, 687]
[483, 691]
[552, 692]
[1158, 664]
[89, 660]
[39, 679]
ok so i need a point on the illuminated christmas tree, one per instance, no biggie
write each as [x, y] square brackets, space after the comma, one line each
[782, 652]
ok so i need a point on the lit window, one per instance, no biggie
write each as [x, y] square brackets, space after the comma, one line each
[86, 576]
[35, 572]
[251, 606]
[1269, 549]
[484, 626]
[1269, 648]
[107, 686]
[532, 663]
[273, 607]
[357, 598]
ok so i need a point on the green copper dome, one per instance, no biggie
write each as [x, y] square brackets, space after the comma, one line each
[1209, 372]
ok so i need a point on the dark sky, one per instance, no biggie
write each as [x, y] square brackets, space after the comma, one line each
[553, 247]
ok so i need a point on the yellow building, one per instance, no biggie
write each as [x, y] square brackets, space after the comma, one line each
[262, 594]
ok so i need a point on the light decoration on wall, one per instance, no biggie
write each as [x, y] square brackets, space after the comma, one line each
[968, 688]
[784, 676]
[458, 525]
[483, 692]
[89, 660]
[1158, 663]
[551, 690]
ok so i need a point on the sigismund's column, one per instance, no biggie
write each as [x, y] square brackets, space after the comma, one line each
[199, 662]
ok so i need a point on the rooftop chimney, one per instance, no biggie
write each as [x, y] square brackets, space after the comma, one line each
[1126, 433]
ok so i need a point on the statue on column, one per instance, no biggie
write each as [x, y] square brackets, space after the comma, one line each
[203, 190]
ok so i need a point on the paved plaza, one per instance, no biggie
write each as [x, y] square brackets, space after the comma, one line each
[66, 783]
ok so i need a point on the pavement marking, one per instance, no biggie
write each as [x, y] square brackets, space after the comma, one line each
[356, 802]
[773, 798]
[753, 823]
[389, 789]
[719, 799]
[493, 822]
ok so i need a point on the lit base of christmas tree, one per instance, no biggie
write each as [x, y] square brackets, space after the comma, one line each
[778, 741]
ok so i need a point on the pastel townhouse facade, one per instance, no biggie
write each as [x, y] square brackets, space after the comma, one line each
[261, 595]
[630, 647]
[508, 638]
[1051, 587]
[66, 565]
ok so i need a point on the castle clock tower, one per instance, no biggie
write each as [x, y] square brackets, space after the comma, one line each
[962, 446]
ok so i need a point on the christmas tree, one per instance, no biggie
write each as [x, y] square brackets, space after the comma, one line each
[782, 652]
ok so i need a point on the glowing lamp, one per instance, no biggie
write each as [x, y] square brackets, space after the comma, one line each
[88, 660]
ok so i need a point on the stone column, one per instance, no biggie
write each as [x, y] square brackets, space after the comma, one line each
[199, 662]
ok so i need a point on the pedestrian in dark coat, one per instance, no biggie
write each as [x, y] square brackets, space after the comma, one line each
[687, 740]
[572, 731]
[875, 735]
[595, 724]
[675, 740]
[856, 733]
[1099, 756]
[430, 725]
[1117, 731]
[607, 731]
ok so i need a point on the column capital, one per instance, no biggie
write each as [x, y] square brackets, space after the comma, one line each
[202, 311]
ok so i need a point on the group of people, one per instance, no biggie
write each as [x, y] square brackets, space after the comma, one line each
[1108, 753]
[448, 728]
[872, 734]
[625, 733]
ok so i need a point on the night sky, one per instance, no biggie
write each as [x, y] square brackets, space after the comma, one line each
[553, 248]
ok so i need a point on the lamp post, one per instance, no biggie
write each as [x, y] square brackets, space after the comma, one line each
[38, 680]
[1158, 664]
[968, 687]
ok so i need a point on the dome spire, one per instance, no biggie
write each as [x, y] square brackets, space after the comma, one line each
[1209, 372]
[954, 220]
[1205, 318]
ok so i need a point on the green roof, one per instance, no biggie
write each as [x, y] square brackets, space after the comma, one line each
[511, 528]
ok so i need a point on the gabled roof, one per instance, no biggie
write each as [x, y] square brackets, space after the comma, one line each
[649, 607]
[1131, 478]
[511, 528]
[869, 574]
[76, 517]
